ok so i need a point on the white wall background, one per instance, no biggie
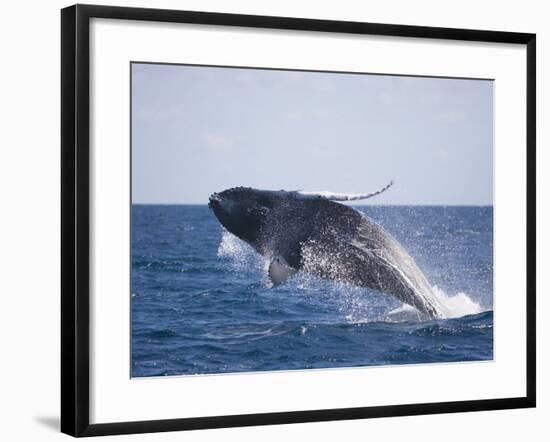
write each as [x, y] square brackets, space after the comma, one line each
[29, 226]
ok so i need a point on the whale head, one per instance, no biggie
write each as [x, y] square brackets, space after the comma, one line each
[243, 211]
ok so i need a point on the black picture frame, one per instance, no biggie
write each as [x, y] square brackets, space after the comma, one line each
[75, 212]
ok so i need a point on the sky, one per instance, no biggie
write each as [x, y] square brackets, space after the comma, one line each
[198, 130]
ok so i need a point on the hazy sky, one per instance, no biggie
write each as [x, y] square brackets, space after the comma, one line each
[197, 130]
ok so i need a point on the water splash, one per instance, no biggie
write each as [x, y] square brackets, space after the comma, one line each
[455, 306]
[352, 304]
[356, 304]
[458, 305]
[241, 256]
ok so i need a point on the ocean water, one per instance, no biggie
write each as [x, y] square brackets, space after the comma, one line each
[201, 301]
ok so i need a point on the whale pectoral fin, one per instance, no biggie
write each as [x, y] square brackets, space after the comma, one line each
[279, 270]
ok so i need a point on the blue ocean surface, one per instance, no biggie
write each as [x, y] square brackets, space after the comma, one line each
[201, 301]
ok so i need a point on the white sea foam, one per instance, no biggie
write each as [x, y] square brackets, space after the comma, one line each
[455, 306]
[404, 313]
[458, 305]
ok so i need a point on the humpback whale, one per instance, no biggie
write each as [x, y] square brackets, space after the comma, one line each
[314, 233]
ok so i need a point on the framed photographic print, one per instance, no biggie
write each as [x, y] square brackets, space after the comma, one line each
[273, 220]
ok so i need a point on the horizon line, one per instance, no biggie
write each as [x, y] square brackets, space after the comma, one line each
[356, 205]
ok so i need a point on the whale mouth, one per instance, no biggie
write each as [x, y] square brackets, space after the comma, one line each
[214, 200]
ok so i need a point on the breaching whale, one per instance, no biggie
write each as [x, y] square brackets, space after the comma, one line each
[312, 232]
